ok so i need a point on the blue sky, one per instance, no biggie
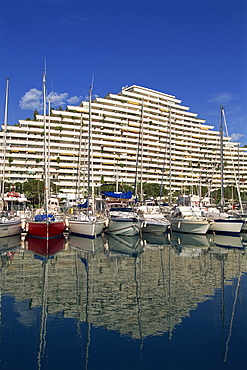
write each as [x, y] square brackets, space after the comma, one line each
[193, 49]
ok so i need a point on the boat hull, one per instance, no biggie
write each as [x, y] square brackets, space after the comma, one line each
[45, 230]
[227, 227]
[153, 227]
[124, 226]
[190, 226]
[87, 228]
[10, 228]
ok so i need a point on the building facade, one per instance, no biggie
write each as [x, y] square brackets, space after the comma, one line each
[137, 133]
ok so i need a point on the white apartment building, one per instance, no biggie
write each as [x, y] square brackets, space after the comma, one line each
[172, 145]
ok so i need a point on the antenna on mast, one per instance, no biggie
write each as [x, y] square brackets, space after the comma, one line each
[91, 86]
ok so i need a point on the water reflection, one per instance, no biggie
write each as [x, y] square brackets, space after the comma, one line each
[81, 243]
[227, 241]
[9, 242]
[93, 283]
[126, 245]
[189, 245]
[8, 247]
[45, 248]
[154, 241]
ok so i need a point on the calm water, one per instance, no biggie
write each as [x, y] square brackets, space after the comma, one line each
[165, 302]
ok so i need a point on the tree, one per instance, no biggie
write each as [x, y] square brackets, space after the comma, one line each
[150, 189]
[35, 114]
[34, 190]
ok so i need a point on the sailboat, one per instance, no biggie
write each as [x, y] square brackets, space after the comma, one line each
[223, 222]
[47, 223]
[86, 222]
[10, 224]
[153, 220]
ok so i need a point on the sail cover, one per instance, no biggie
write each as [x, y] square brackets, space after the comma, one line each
[119, 195]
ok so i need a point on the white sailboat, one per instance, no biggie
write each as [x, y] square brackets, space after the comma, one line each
[10, 224]
[184, 219]
[154, 220]
[86, 222]
[223, 222]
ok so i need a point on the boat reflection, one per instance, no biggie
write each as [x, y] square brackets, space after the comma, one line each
[243, 237]
[10, 242]
[122, 244]
[189, 245]
[226, 241]
[85, 244]
[9, 246]
[155, 241]
[45, 247]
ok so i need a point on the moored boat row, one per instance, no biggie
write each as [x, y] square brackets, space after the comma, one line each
[119, 217]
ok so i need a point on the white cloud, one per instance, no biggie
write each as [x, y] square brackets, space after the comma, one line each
[236, 137]
[223, 97]
[57, 99]
[74, 100]
[33, 99]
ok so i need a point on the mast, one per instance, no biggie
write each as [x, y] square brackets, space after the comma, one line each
[46, 180]
[222, 200]
[49, 147]
[142, 113]
[4, 142]
[234, 171]
[139, 144]
[78, 182]
[170, 157]
[90, 157]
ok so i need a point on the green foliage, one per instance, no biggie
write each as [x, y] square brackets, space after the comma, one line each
[230, 193]
[35, 114]
[150, 190]
[126, 187]
[108, 187]
[112, 187]
[33, 188]
[19, 187]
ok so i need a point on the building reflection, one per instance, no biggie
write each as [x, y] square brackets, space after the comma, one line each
[136, 286]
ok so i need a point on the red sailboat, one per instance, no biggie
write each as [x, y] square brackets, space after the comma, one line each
[49, 223]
